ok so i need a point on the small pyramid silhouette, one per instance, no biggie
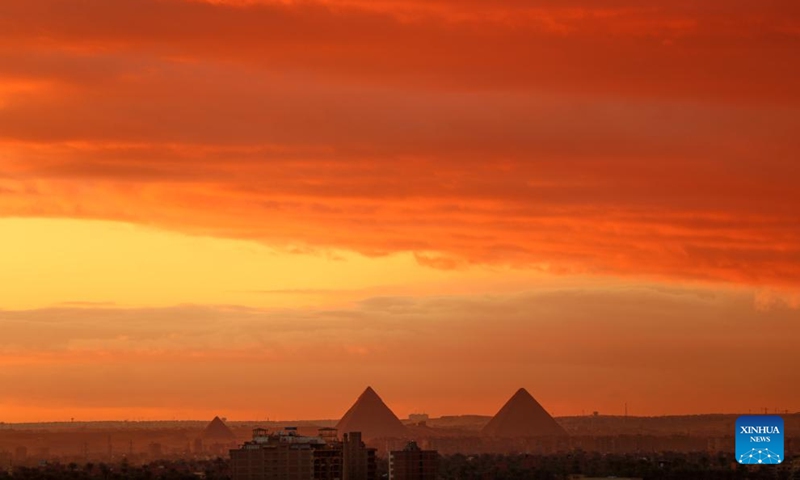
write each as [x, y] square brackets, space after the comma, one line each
[522, 416]
[370, 416]
[217, 430]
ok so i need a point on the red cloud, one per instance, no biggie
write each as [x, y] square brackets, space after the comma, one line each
[583, 137]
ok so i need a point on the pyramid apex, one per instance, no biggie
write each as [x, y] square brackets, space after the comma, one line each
[370, 416]
[521, 393]
[216, 428]
[370, 392]
[522, 416]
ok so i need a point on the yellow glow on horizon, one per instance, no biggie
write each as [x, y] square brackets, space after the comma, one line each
[49, 262]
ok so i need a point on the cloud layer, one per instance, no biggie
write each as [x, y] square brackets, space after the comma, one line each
[588, 137]
[662, 353]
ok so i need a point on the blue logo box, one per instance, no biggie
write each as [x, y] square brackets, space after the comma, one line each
[759, 439]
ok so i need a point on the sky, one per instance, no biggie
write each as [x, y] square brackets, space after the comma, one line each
[255, 209]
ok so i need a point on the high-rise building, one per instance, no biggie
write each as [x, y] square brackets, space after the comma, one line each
[282, 456]
[359, 461]
[413, 463]
[286, 455]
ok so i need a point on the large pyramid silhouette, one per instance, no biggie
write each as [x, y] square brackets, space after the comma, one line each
[370, 416]
[522, 416]
[217, 431]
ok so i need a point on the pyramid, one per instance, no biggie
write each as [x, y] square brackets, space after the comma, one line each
[522, 416]
[370, 416]
[217, 431]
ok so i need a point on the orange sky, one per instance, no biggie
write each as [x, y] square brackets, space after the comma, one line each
[446, 200]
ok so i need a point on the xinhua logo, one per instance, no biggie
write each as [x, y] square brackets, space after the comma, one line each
[759, 439]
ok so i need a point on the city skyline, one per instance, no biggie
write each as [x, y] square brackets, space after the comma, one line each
[249, 206]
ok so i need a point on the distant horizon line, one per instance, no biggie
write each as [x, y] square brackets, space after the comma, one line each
[291, 421]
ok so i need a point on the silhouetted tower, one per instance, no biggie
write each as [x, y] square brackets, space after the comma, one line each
[358, 461]
[413, 463]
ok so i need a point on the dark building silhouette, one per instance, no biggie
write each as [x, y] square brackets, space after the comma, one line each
[359, 461]
[288, 456]
[328, 463]
[413, 463]
[281, 456]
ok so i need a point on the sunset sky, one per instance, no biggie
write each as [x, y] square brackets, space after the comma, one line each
[257, 208]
